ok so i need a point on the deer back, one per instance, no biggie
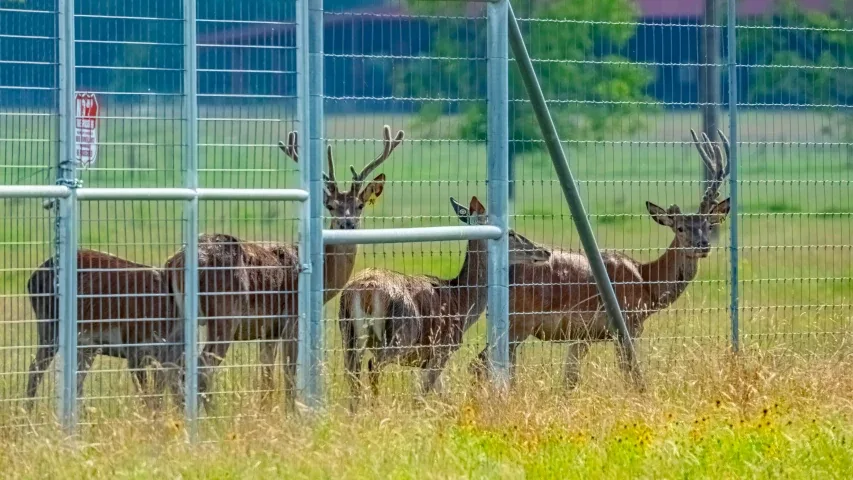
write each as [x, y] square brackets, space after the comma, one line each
[111, 290]
[271, 276]
[543, 297]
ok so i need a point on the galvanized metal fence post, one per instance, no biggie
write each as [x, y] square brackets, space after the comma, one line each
[302, 110]
[734, 307]
[311, 316]
[570, 191]
[498, 184]
[66, 223]
[191, 280]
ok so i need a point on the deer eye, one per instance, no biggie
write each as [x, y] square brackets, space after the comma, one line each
[680, 229]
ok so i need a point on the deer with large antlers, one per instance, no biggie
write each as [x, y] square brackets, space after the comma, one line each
[253, 296]
[124, 310]
[559, 301]
[419, 320]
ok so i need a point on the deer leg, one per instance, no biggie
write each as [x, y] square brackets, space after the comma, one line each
[169, 370]
[289, 354]
[137, 372]
[571, 375]
[85, 358]
[220, 333]
[140, 377]
[212, 356]
[373, 369]
[137, 363]
[431, 374]
[44, 356]
[513, 359]
[352, 363]
[479, 365]
[629, 364]
[266, 357]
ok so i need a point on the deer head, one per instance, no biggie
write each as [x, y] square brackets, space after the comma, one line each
[521, 249]
[692, 231]
[346, 206]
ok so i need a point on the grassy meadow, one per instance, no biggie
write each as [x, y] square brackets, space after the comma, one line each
[745, 417]
[704, 411]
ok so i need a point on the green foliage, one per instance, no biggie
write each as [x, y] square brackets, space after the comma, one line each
[332, 5]
[593, 89]
[806, 59]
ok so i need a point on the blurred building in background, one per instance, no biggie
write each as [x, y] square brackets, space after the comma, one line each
[365, 42]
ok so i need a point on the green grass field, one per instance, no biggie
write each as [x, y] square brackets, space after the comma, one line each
[795, 294]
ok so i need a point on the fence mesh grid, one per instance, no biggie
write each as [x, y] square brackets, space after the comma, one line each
[130, 56]
[28, 146]
[795, 241]
[379, 71]
[623, 88]
[247, 104]
[627, 146]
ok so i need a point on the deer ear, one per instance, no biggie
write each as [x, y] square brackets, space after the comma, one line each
[719, 212]
[373, 190]
[476, 207]
[659, 214]
[461, 212]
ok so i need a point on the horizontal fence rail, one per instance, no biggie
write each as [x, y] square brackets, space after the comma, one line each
[407, 235]
[95, 194]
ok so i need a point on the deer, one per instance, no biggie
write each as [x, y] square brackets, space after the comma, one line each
[559, 301]
[419, 320]
[124, 310]
[250, 293]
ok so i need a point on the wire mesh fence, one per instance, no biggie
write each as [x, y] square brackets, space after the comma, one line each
[28, 135]
[247, 104]
[624, 86]
[129, 55]
[382, 71]
[627, 115]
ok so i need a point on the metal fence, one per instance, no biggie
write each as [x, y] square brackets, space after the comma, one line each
[301, 264]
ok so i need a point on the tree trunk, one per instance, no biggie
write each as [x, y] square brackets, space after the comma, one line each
[709, 80]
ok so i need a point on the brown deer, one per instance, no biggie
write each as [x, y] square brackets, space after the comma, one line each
[124, 310]
[252, 295]
[419, 320]
[559, 301]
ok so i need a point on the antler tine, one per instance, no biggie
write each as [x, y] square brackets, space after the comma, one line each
[727, 146]
[711, 150]
[291, 149]
[712, 156]
[702, 153]
[389, 146]
[331, 161]
[712, 193]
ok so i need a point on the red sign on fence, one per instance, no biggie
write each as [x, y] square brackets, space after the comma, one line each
[87, 129]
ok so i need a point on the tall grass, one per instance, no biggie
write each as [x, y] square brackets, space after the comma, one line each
[751, 416]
